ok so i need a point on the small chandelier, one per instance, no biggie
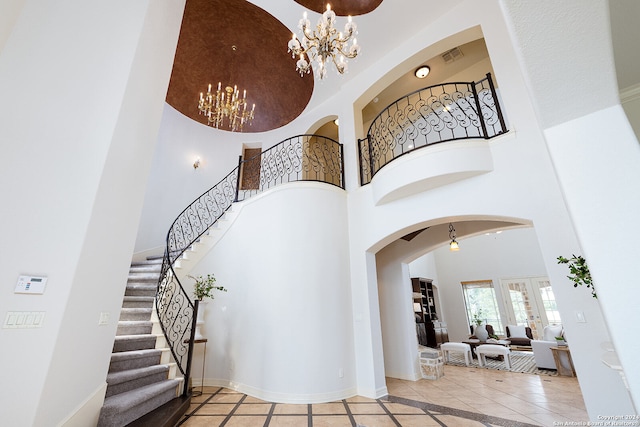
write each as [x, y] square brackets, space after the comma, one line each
[226, 108]
[453, 245]
[324, 44]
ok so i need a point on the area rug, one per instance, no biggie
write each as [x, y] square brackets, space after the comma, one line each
[521, 361]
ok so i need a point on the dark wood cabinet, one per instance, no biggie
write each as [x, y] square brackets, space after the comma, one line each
[430, 331]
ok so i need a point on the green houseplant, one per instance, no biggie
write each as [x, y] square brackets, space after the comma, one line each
[580, 274]
[204, 286]
[560, 341]
[477, 317]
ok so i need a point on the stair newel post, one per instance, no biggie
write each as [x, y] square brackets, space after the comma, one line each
[238, 178]
[187, 374]
[498, 108]
[479, 111]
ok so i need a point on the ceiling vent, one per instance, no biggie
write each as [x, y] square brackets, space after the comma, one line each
[452, 55]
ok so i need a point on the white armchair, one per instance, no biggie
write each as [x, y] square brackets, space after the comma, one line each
[542, 348]
[542, 353]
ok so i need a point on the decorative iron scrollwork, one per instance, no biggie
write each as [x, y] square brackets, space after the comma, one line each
[429, 116]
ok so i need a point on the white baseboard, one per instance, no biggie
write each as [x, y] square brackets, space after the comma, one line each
[87, 413]
[278, 397]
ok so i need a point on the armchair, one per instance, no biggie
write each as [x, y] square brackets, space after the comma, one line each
[520, 336]
[542, 348]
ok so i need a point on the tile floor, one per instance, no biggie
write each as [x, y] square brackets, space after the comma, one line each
[462, 397]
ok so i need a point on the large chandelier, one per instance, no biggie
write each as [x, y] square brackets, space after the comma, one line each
[226, 108]
[324, 44]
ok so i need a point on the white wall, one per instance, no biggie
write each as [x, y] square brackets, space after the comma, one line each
[82, 90]
[173, 182]
[283, 331]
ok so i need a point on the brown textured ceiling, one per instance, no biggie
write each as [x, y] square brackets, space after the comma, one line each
[342, 7]
[259, 64]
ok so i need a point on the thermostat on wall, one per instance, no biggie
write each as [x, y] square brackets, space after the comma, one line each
[30, 285]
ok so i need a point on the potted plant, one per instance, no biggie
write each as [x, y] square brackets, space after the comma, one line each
[560, 341]
[477, 317]
[479, 330]
[580, 272]
[203, 288]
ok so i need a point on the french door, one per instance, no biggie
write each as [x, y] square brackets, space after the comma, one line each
[529, 301]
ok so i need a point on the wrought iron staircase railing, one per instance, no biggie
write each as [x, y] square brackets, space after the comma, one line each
[299, 158]
[445, 112]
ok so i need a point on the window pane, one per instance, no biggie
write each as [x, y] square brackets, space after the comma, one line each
[549, 302]
[520, 303]
[480, 299]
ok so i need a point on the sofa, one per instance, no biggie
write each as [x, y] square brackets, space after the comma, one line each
[542, 348]
[519, 335]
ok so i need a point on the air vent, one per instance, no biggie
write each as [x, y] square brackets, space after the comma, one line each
[452, 55]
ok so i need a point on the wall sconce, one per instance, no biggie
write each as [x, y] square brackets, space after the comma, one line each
[196, 164]
[453, 245]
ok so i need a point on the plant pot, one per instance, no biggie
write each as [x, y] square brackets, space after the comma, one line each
[480, 331]
[200, 320]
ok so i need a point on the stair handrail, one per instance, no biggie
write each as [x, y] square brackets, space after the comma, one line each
[431, 115]
[305, 157]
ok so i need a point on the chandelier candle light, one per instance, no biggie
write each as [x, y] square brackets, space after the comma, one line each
[226, 106]
[324, 44]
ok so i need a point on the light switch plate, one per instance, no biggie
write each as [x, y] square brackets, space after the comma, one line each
[23, 319]
[104, 318]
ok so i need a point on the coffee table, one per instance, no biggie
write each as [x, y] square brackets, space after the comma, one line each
[473, 343]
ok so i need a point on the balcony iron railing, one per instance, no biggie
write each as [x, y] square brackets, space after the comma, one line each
[445, 112]
[300, 158]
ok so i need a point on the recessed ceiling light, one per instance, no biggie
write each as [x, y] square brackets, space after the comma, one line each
[422, 72]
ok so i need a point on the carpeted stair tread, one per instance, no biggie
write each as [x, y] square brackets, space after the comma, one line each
[124, 381]
[144, 276]
[135, 313]
[133, 342]
[134, 327]
[146, 267]
[121, 409]
[134, 359]
[141, 289]
[132, 301]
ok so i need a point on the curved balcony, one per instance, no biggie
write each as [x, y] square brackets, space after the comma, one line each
[429, 116]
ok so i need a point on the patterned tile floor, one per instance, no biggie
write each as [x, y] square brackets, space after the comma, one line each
[462, 397]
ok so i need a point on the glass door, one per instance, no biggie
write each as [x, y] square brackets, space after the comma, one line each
[530, 302]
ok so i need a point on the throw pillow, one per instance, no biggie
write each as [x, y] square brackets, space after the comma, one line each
[551, 332]
[517, 331]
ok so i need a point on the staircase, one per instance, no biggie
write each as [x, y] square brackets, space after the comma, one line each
[141, 378]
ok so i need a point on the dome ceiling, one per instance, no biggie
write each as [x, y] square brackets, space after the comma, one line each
[259, 64]
[342, 7]
[237, 43]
